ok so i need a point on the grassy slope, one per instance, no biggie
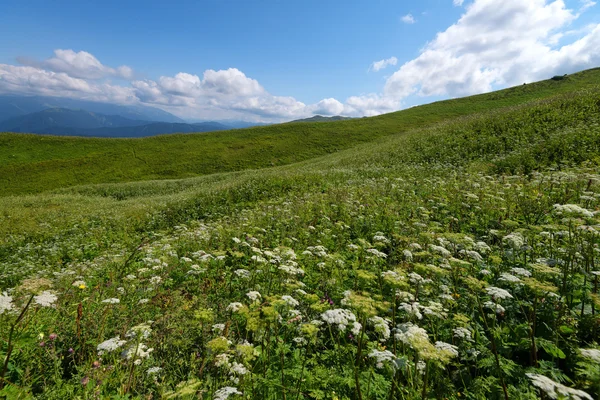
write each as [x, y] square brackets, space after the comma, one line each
[32, 164]
[518, 139]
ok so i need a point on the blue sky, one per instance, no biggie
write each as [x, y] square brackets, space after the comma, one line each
[271, 60]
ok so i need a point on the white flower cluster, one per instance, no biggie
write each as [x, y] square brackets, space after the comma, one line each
[376, 253]
[442, 251]
[498, 293]
[110, 345]
[5, 303]
[382, 357]
[342, 318]
[111, 301]
[447, 348]
[462, 333]
[218, 328]
[506, 277]
[317, 251]
[514, 240]
[412, 309]
[411, 334]
[290, 301]
[136, 351]
[234, 307]
[141, 331]
[382, 327]
[380, 238]
[253, 295]
[45, 299]
[573, 209]
[592, 354]
[225, 392]
[242, 273]
[521, 272]
[408, 256]
[556, 390]
[291, 269]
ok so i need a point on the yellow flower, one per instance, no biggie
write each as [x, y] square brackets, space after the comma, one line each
[82, 286]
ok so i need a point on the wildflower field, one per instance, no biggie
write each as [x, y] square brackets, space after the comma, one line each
[460, 260]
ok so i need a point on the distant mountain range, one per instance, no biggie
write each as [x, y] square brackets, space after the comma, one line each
[15, 106]
[67, 122]
[71, 117]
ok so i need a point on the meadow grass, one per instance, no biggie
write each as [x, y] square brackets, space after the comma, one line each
[453, 260]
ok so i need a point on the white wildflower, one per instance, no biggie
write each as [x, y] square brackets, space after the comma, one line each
[253, 295]
[498, 293]
[514, 240]
[412, 309]
[153, 370]
[411, 335]
[447, 348]
[218, 328]
[573, 209]
[497, 308]
[556, 390]
[592, 354]
[136, 351]
[234, 307]
[155, 280]
[141, 331]
[45, 299]
[225, 392]
[382, 357]
[110, 345]
[222, 360]
[290, 301]
[376, 253]
[521, 271]
[340, 317]
[242, 273]
[506, 277]
[407, 255]
[462, 333]
[5, 303]
[356, 327]
[442, 251]
[382, 327]
[111, 300]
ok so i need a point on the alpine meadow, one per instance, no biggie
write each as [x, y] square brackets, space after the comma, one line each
[446, 251]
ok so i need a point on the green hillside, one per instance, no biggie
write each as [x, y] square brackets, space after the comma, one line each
[31, 163]
[449, 251]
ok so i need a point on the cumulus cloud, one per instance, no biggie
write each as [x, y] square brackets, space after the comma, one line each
[458, 3]
[36, 81]
[78, 65]
[381, 64]
[408, 19]
[496, 43]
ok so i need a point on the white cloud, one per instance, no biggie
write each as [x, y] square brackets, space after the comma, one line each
[408, 19]
[381, 64]
[78, 65]
[36, 81]
[496, 43]
[327, 107]
[458, 3]
[585, 4]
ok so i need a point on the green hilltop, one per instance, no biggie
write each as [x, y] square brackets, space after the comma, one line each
[33, 163]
